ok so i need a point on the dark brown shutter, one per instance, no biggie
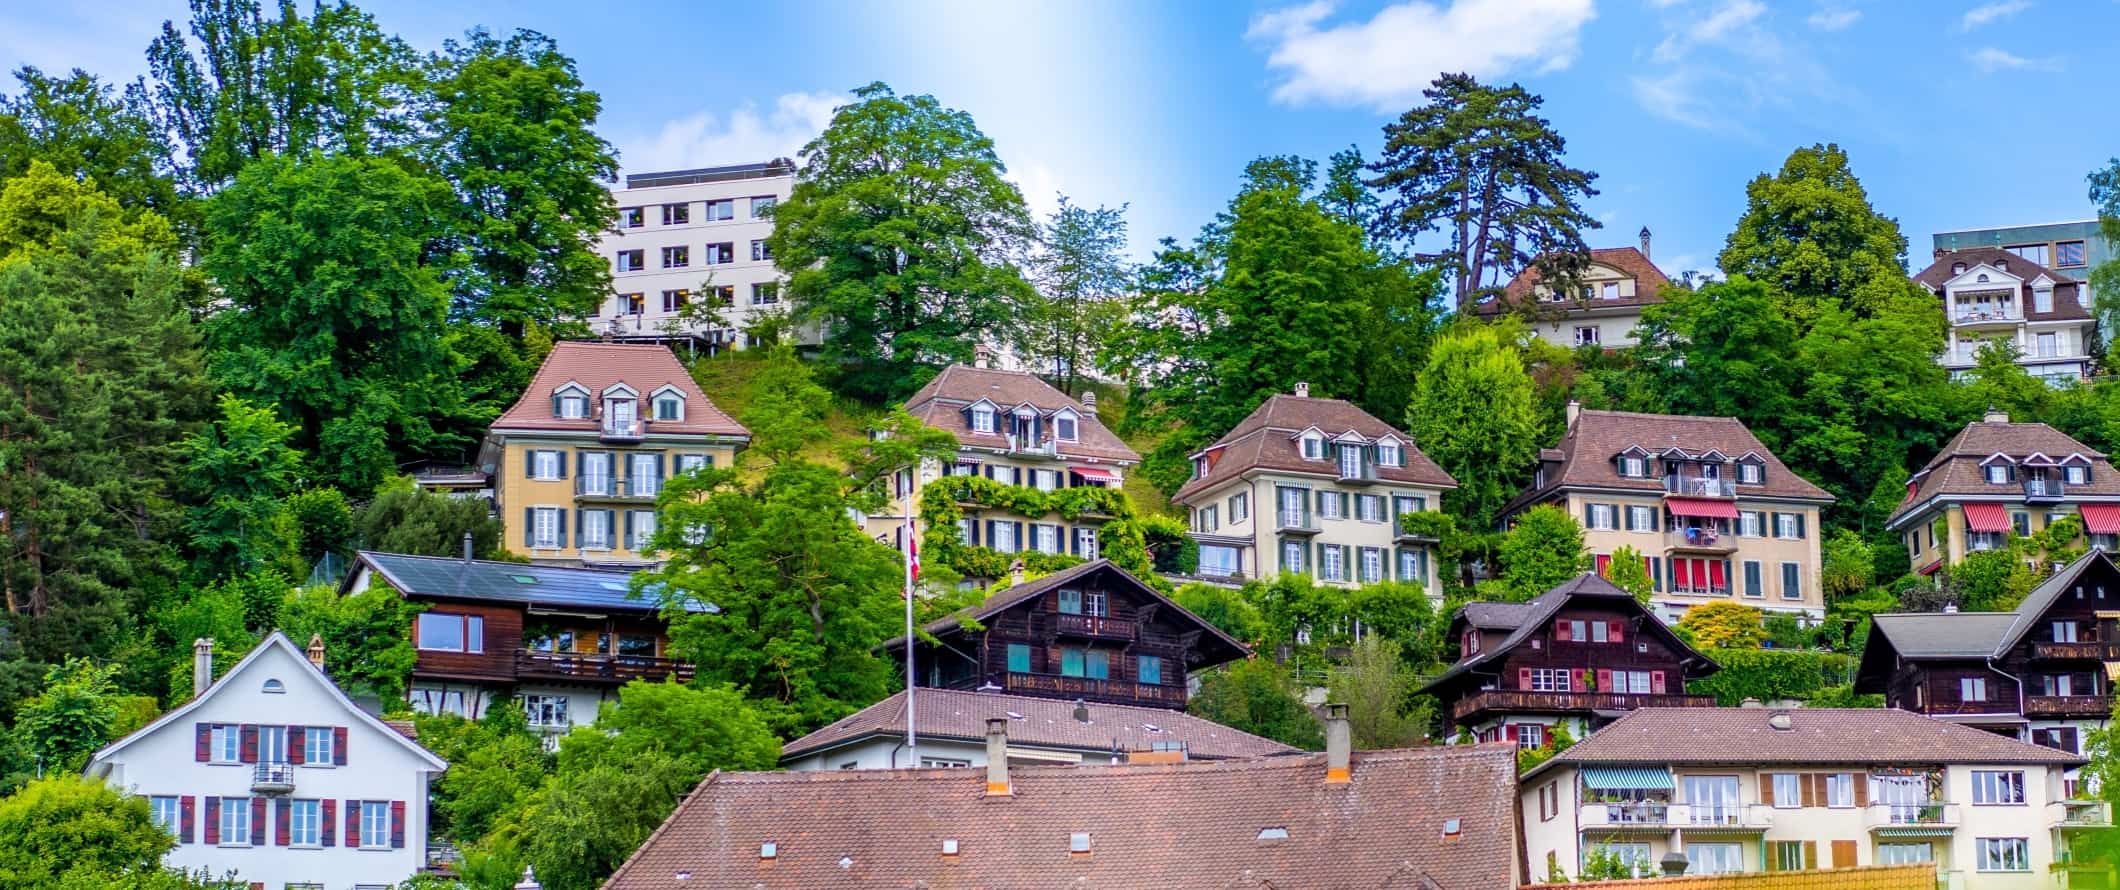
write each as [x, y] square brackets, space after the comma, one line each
[204, 750]
[1810, 854]
[353, 823]
[249, 743]
[329, 822]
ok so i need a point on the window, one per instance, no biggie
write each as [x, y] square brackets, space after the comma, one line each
[545, 710]
[1070, 602]
[676, 257]
[1714, 859]
[316, 745]
[1755, 586]
[1350, 460]
[717, 211]
[1413, 566]
[546, 466]
[1045, 538]
[1586, 335]
[632, 260]
[1633, 682]
[168, 813]
[2035, 252]
[1600, 517]
[1369, 508]
[2059, 738]
[1549, 680]
[1998, 474]
[762, 206]
[572, 406]
[446, 632]
[675, 300]
[1332, 563]
[640, 532]
[272, 743]
[1530, 736]
[1205, 519]
[227, 743]
[1641, 519]
[1003, 537]
[1786, 526]
[760, 252]
[1904, 854]
[1787, 855]
[1633, 466]
[1791, 581]
[1389, 455]
[1067, 428]
[1328, 505]
[1972, 689]
[2002, 854]
[595, 529]
[944, 763]
[1609, 290]
[235, 822]
[1751, 473]
[644, 473]
[669, 407]
[719, 253]
[2043, 301]
[1239, 507]
[1998, 787]
[545, 531]
[1749, 524]
[1217, 561]
[1403, 504]
[1634, 855]
[1086, 543]
[2076, 475]
[1292, 556]
[677, 214]
[1372, 565]
[1019, 658]
[982, 419]
[1313, 448]
[631, 218]
[2068, 255]
[1148, 669]
[1840, 789]
[375, 823]
[304, 822]
[1047, 480]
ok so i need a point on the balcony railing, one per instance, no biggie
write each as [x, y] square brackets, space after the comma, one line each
[1934, 813]
[611, 668]
[2044, 490]
[1970, 707]
[1699, 487]
[1649, 813]
[2078, 814]
[2087, 651]
[1027, 447]
[1117, 691]
[1724, 815]
[272, 778]
[1094, 626]
[1984, 316]
[1360, 474]
[2067, 705]
[614, 430]
[1706, 540]
[1518, 700]
[622, 488]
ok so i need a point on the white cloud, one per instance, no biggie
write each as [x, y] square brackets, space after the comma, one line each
[1386, 61]
[1718, 63]
[1833, 19]
[747, 134]
[1990, 60]
[1716, 26]
[1992, 12]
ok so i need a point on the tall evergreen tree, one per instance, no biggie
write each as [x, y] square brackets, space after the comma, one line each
[1082, 276]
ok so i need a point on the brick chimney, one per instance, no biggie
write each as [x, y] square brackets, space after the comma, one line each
[201, 665]
[997, 757]
[1339, 743]
[1089, 402]
[316, 650]
[1645, 242]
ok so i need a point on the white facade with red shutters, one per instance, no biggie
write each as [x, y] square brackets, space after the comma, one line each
[273, 775]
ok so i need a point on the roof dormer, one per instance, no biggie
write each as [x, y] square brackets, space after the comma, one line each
[1067, 425]
[1311, 443]
[979, 416]
[669, 402]
[570, 401]
[1351, 437]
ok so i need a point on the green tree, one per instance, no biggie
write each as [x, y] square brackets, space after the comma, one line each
[1224, 608]
[217, 612]
[367, 643]
[1473, 414]
[1257, 696]
[1809, 232]
[1541, 551]
[1774, 675]
[2101, 778]
[75, 714]
[1478, 163]
[1849, 562]
[323, 523]
[1081, 274]
[2105, 279]
[69, 833]
[1375, 686]
[899, 238]
[1988, 581]
[403, 518]
[1723, 625]
[1345, 195]
[1629, 571]
[336, 307]
[239, 468]
[88, 130]
[495, 762]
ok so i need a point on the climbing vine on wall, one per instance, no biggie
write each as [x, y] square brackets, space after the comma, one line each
[1139, 544]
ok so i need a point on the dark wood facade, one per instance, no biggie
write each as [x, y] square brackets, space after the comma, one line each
[518, 643]
[1092, 632]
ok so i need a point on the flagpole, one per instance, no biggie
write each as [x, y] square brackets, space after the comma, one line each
[912, 551]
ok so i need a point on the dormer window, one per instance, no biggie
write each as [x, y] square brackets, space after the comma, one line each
[1749, 473]
[1199, 467]
[1957, 268]
[2076, 475]
[1388, 454]
[1998, 474]
[2043, 299]
[1313, 447]
[571, 405]
[982, 419]
[1633, 466]
[1066, 426]
[669, 406]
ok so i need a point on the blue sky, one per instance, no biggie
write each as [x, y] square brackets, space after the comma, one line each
[1957, 113]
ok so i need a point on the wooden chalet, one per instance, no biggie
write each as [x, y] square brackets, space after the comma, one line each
[1577, 656]
[1092, 632]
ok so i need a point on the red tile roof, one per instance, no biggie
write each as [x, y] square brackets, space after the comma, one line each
[1649, 282]
[1955, 472]
[1185, 825]
[942, 401]
[596, 366]
[1588, 452]
[961, 714]
[1266, 440]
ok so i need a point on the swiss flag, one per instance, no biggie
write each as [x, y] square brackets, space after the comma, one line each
[912, 552]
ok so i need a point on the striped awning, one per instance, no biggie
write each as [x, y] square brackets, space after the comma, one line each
[1986, 518]
[1915, 831]
[2101, 519]
[1626, 778]
[1701, 508]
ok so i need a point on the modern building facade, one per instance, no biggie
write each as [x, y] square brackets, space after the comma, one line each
[578, 462]
[558, 642]
[1997, 478]
[1315, 487]
[271, 773]
[689, 262]
[1756, 789]
[1995, 296]
[1602, 308]
[1574, 658]
[1714, 513]
[2071, 248]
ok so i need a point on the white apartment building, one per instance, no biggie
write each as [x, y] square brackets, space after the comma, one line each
[1754, 789]
[272, 773]
[691, 241]
[1994, 295]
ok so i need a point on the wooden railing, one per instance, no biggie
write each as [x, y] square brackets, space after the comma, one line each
[1970, 707]
[1119, 691]
[611, 668]
[2089, 651]
[1094, 626]
[1515, 700]
[2067, 705]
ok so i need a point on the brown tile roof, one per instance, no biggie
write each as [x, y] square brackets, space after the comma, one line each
[1589, 448]
[1002, 600]
[1186, 825]
[1265, 440]
[1816, 736]
[961, 714]
[1955, 471]
[596, 366]
[1649, 281]
[2067, 305]
[942, 401]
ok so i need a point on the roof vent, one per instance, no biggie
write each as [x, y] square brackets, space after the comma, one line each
[683, 876]
[1750, 702]
[1081, 711]
[1273, 833]
[1303, 390]
[1013, 715]
[1781, 722]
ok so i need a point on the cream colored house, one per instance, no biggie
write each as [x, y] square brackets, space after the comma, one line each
[1995, 479]
[1754, 789]
[1602, 308]
[1313, 486]
[1997, 295]
[578, 462]
[1714, 514]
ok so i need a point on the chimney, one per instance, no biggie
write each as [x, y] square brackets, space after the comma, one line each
[1940, 252]
[1339, 737]
[529, 881]
[1996, 415]
[1645, 242]
[1089, 403]
[1673, 864]
[201, 665]
[467, 546]
[982, 356]
[1950, 608]
[316, 650]
[1575, 410]
[1303, 390]
[997, 757]
[1015, 573]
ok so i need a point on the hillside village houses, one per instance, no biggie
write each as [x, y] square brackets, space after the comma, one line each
[1604, 307]
[1313, 486]
[1997, 478]
[272, 774]
[1713, 512]
[1993, 295]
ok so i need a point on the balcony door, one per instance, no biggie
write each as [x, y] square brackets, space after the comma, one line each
[620, 417]
[1901, 796]
[1713, 798]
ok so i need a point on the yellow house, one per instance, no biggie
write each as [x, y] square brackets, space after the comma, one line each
[578, 461]
[1997, 478]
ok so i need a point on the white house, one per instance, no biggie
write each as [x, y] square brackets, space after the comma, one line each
[272, 774]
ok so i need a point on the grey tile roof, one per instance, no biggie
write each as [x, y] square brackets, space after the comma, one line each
[1944, 634]
[1885, 736]
[507, 582]
[961, 715]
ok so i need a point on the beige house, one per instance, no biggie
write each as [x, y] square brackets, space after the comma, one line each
[1997, 478]
[1313, 486]
[1602, 308]
[1755, 789]
[578, 462]
[1014, 428]
[1714, 514]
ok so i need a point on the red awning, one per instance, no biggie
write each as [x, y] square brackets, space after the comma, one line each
[1098, 473]
[1986, 518]
[1930, 569]
[2101, 519]
[1701, 508]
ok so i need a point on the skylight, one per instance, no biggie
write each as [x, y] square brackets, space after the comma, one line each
[1273, 833]
[611, 585]
[523, 579]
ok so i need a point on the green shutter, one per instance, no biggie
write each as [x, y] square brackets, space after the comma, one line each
[529, 526]
[1799, 525]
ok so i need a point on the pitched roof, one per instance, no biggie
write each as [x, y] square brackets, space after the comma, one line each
[644, 368]
[1943, 634]
[1196, 824]
[1527, 619]
[2067, 304]
[1649, 282]
[942, 401]
[1008, 597]
[1041, 722]
[507, 582]
[1266, 440]
[1815, 736]
[1955, 471]
[1595, 439]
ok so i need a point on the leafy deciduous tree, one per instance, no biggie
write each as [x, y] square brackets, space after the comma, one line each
[1543, 550]
[1473, 413]
[238, 470]
[1257, 696]
[1723, 625]
[1081, 274]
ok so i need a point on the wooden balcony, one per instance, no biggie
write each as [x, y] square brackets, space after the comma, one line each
[2067, 705]
[1968, 707]
[1515, 700]
[2084, 651]
[1700, 540]
[580, 667]
[1097, 626]
[1115, 691]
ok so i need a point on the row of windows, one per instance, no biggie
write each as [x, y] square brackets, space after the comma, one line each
[571, 402]
[680, 213]
[763, 293]
[1749, 471]
[1343, 563]
[1588, 680]
[545, 528]
[1010, 536]
[597, 470]
[1352, 458]
[1643, 518]
[2003, 473]
[983, 417]
[1298, 505]
[679, 256]
[1040, 479]
[1711, 577]
[1085, 662]
[270, 743]
[242, 822]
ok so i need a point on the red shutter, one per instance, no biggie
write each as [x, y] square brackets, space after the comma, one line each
[204, 751]
[397, 825]
[330, 821]
[1523, 679]
[1682, 571]
[295, 740]
[1561, 631]
[1656, 682]
[186, 818]
[213, 821]
[1604, 680]
[1575, 680]
[338, 746]
[1617, 632]
[353, 823]
[279, 823]
[1604, 565]
[257, 821]
[1509, 732]
[1715, 573]
[250, 743]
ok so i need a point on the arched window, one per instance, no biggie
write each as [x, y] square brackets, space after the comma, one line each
[275, 686]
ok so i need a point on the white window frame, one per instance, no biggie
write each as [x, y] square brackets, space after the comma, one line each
[982, 419]
[168, 812]
[305, 823]
[226, 740]
[1372, 565]
[595, 530]
[1331, 564]
[1788, 791]
[1369, 507]
[1633, 466]
[544, 528]
[272, 743]
[235, 822]
[1748, 524]
[1389, 454]
[375, 825]
[1785, 526]
[317, 742]
[1586, 335]
[644, 526]
[1086, 542]
[1313, 448]
[547, 464]
[2002, 854]
[1749, 473]
[1240, 506]
[1067, 427]
[1603, 517]
[574, 406]
[1998, 788]
[1641, 519]
[545, 710]
[1972, 689]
